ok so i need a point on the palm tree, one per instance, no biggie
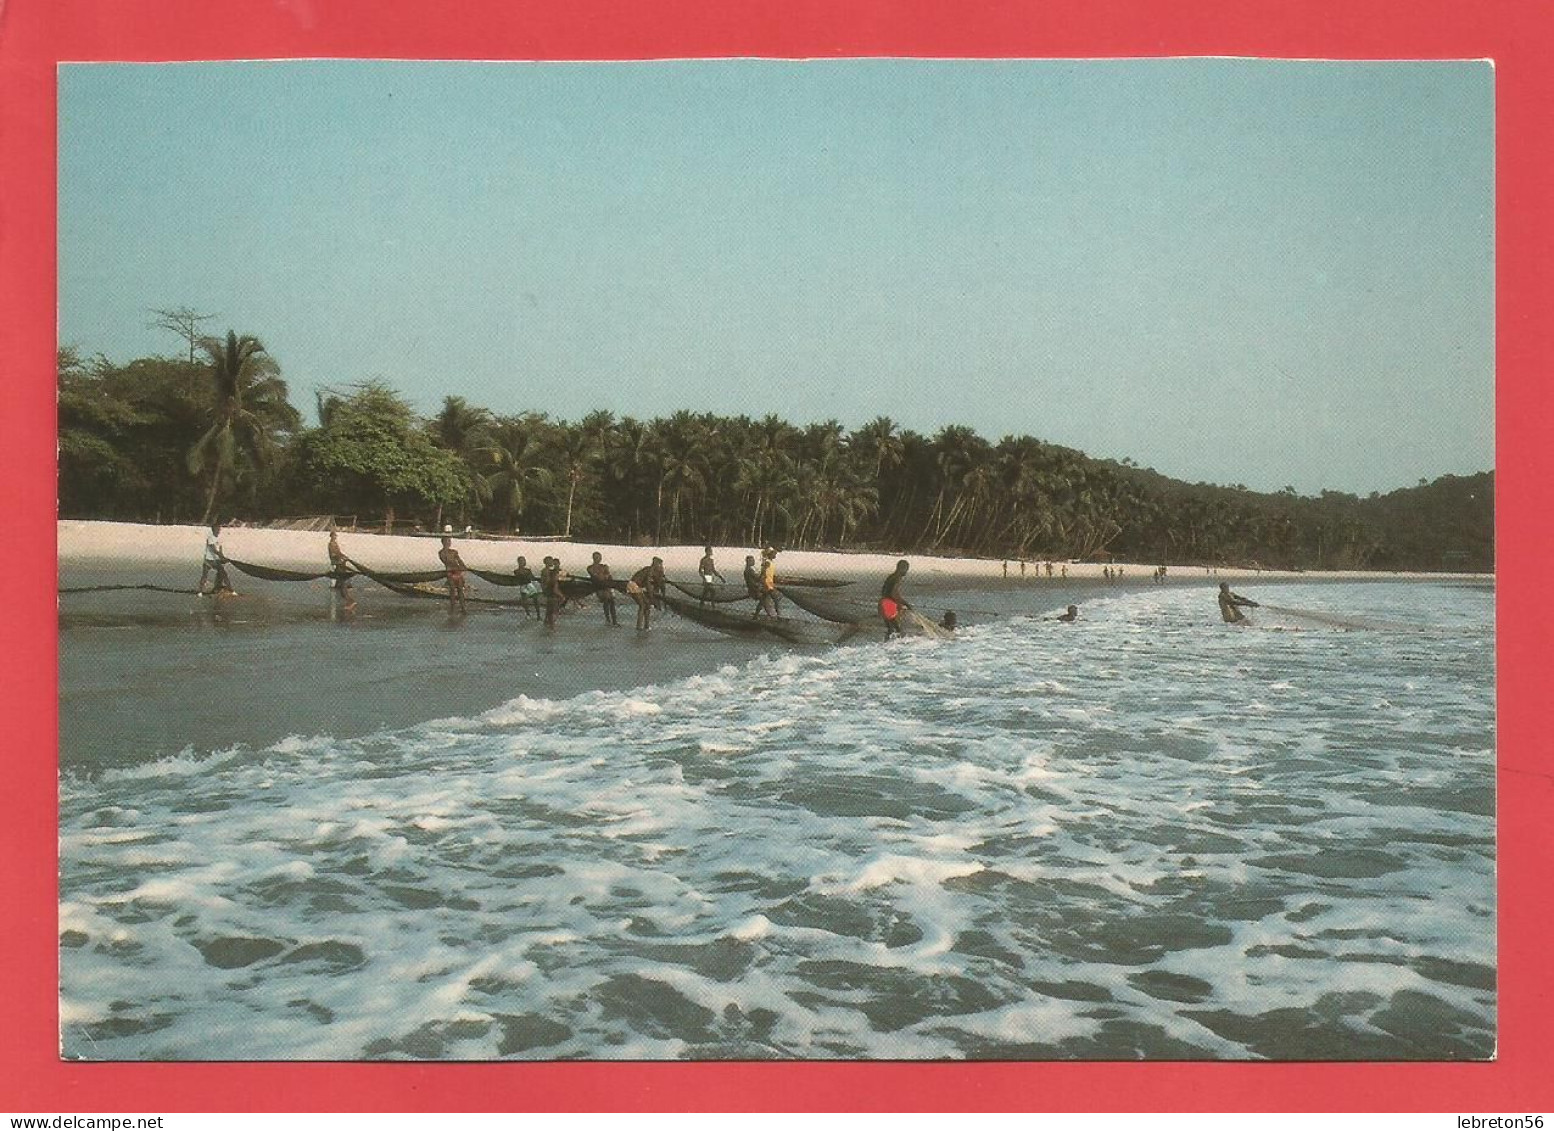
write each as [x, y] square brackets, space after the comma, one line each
[577, 449]
[682, 468]
[460, 427]
[510, 449]
[248, 409]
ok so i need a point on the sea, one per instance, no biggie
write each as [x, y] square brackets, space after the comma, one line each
[1143, 835]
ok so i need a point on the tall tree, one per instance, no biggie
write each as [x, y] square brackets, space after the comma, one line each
[248, 410]
[512, 455]
[183, 321]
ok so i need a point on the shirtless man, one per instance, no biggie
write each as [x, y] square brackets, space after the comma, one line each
[640, 589]
[528, 588]
[599, 573]
[340, 569]
[1231, 604]
[891, 602]
[455, 567]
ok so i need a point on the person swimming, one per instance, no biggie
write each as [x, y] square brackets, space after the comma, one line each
[1231, 604]
[1069, 617]
[891, 601]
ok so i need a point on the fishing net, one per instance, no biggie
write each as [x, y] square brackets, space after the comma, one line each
[274, 573]
[113, 588]
[834, 609]
[718, 594]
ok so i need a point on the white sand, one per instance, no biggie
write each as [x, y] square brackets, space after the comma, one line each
[116, 545]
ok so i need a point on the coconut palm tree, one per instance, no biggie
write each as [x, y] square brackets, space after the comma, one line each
[248, 409]
[512, 453]
[578, 448]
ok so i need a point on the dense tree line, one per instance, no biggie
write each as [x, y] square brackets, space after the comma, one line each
[182, 439]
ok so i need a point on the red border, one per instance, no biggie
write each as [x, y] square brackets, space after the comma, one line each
[35, 34]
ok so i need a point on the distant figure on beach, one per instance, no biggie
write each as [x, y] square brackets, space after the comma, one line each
[891, 602]
[640, 589]
[1006, 569]
[1022, 567]
[766, 597]
[949, 622]
[1049, 570]
[599, 573]
[455, 567]
[340, 570]
[214, 561]
[709, 571]
[528, 588]
[752, 577]
[1069, 617]
[1231, 604]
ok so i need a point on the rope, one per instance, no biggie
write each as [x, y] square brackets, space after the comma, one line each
[108, 588]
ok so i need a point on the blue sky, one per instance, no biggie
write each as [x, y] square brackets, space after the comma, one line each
[1248, 272]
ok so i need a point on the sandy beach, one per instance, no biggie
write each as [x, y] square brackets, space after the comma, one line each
[134, 548]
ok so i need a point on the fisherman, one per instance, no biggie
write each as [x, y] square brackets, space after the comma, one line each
[455, 567]
[708, 570]
[657, 583]
[340, 570]
[550, 580]
[600, 574]
[640, 590]
[766, 598]
[1231, 604]
[528, 588]
[1069, 617]
[752, 577]
[948, 623]
[891, 602]
[214, 561]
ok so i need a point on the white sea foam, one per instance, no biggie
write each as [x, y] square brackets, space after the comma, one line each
[1147, 834]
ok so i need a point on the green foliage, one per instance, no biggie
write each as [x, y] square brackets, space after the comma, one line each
[373, 453]
[130, 434]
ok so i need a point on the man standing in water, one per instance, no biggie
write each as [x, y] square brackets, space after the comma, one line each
[528, 588]
[891, 602]
[340, 570]
[752, 577]
[550, 580]
[640, 589]
[1231, 604]
[767, 595]
[455, 567]
[214, 561]
[708, 570]
[599, 573]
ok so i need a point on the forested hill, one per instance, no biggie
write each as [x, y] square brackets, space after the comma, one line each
[214, 434]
